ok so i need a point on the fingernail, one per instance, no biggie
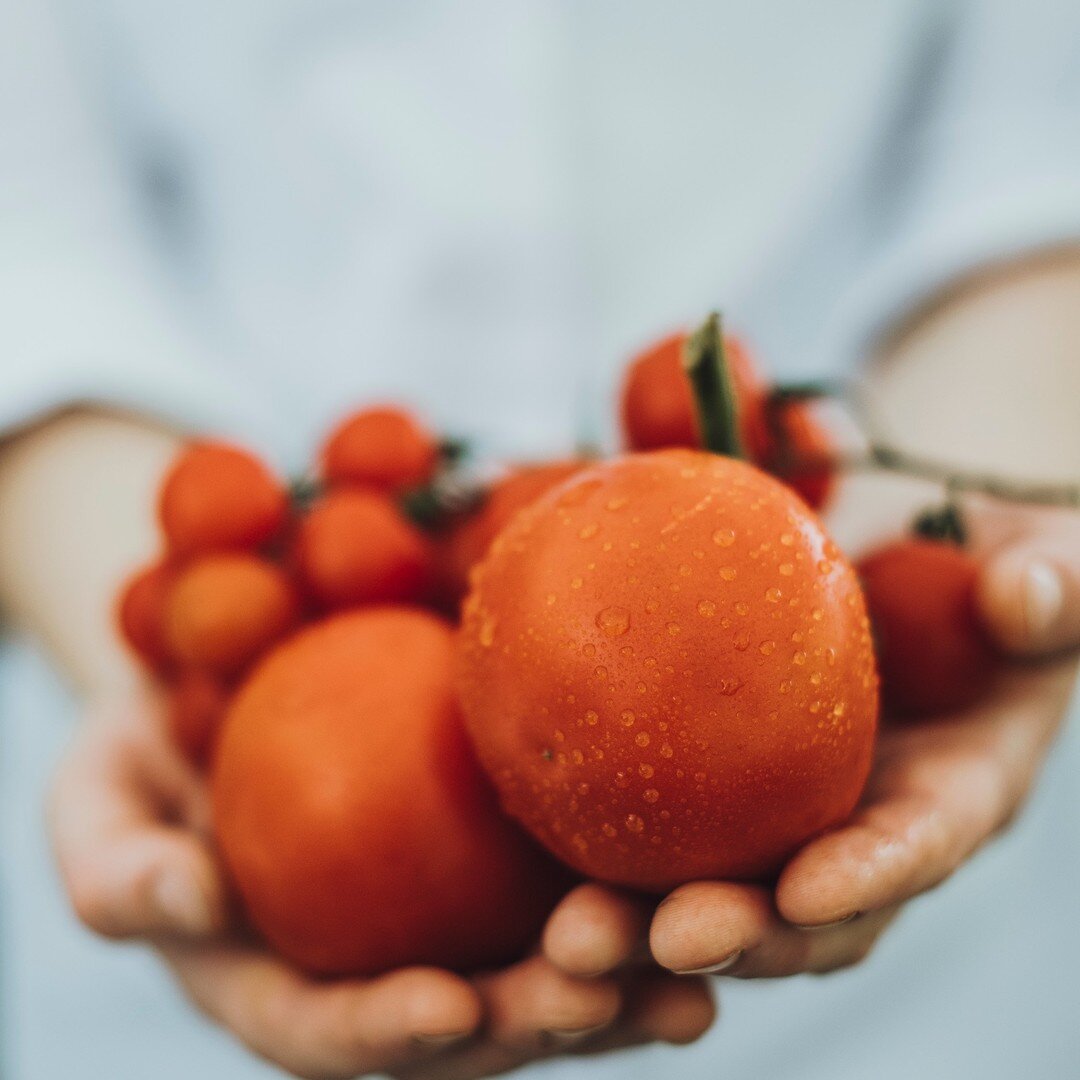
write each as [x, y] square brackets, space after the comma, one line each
[183, 903]
[827, 925]
[441, 1040]
[1042, 597]
[713, 969]
[571, 1035]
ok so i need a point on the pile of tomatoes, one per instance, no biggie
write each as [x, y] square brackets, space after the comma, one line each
[646, 669]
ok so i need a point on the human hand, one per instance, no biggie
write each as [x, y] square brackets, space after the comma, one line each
[129, 821]
[938, 791]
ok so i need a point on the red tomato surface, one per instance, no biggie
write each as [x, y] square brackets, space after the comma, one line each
[666, 668]
[351, 813]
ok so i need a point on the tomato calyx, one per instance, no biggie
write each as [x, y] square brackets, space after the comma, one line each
[706, 365]
[943, 524]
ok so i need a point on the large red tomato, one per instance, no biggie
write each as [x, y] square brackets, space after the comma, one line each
[666, 668]
[351, 813]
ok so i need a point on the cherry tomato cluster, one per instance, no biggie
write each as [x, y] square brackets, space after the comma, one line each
[244, 563]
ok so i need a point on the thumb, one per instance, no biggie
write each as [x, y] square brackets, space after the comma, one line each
[1029, 594]
[129, 867]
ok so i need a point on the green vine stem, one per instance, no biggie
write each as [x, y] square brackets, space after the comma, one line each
[885, 458]
[714, 395]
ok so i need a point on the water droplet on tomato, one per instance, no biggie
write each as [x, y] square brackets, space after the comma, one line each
[707, 609]
[634, 823]
[613, 621]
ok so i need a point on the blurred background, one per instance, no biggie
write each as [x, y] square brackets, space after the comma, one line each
[245, 216]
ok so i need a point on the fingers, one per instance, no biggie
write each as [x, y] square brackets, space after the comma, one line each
[129, 864]
[532, 1011]
[326, 1031]
[707, 926]
[939, 791]
[534, 1003]
[525, 1002]
[718, 926]
[595, 930]
[659, 1008]
[1029, 592]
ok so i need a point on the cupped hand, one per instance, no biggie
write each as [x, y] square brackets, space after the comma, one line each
[129, 821]
[938, 791]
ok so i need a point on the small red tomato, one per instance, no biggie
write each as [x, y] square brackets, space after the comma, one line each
[657, 411]
[225, 610]
[466, 541]
[218, 497]
[385, 448]
[356, 547]
[195, 703]
[140, 614]
[933, 655]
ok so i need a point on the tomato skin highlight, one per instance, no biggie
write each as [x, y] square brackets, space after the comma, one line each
[933, 654]
[657, 411]
[385, 447]
[356, 547]
[666, 668]
[217, 497]
[350, 811]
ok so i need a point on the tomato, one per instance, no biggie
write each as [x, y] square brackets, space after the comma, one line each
[217, 497]
[195, 705]
[356, 547]
[140, 614]
[657, 410]
[385, 448]
[666, 669]
[933, 654]
[351, 813]
[224, 610]
[468, 538]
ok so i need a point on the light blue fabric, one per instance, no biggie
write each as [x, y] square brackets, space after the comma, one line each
[247, 216]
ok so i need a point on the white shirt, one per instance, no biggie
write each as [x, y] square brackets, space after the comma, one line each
[248, 216]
